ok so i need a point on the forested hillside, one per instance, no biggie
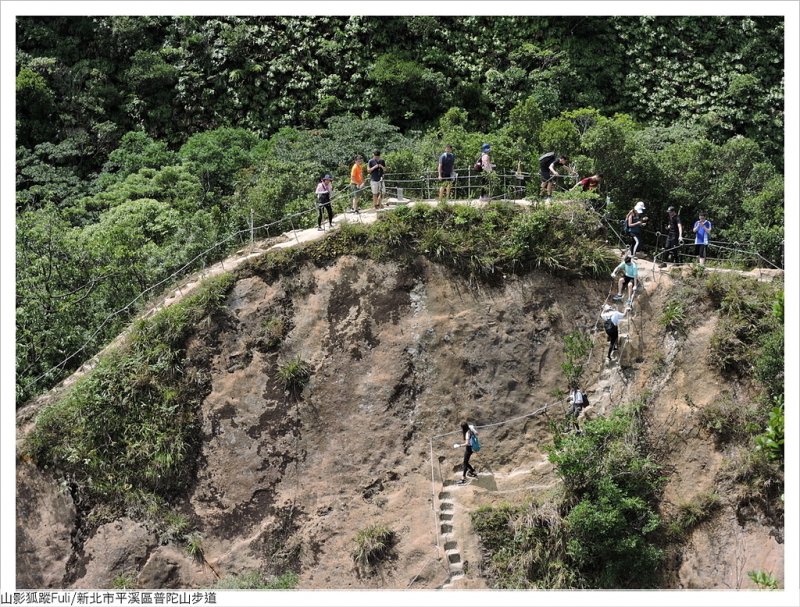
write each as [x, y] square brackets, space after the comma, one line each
[142, 141]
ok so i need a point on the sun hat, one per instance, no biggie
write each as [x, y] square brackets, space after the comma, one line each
[328, 177]
[486, 147]
[639, 206]
[607, 307]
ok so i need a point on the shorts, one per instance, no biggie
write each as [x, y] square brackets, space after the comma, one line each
[700, 250]
[627, 279]
[545, 174]
[356, 189]
[378, 187]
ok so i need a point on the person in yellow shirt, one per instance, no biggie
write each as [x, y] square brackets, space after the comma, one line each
[357, 181]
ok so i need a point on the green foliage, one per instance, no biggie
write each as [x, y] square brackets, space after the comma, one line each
[673, 318]
[294, 374]
[577, 346]
[130, 424]
[603, 532]
[124, 582]
[194, 545]
[692, 513]
[373, 546]
[253, 580]
[771, 440]
[762, 579]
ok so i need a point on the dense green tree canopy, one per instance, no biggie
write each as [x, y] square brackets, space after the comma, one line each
[144, 140]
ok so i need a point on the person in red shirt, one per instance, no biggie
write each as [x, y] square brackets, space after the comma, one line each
[590, 183]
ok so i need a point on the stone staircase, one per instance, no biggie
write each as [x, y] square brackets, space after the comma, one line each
[446, 513]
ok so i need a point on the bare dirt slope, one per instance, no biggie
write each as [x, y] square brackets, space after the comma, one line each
[398, 355]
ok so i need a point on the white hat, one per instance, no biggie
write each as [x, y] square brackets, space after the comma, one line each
[607, 307]
[639, 206]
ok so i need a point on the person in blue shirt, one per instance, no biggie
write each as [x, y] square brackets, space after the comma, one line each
[701, 229]
[629, 278]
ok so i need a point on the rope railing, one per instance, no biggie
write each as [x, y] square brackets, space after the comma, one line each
[174, 275]
[428, 178]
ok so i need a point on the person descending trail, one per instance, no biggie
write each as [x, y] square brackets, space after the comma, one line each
[469, 433]
[611, 318]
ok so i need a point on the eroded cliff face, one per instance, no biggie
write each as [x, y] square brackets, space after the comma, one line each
[398, 355]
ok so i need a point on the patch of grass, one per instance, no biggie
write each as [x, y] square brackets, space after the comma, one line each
[577, 345]
[730, 421]
[690, 514]
[294, 374]
[273, 330]
[194, 545]
[762, 579]
[253, 580]
[124, 581]
[130, 424]
[673, 317]
[373, 546]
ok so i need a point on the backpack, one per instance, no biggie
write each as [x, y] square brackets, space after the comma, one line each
[478, 166]
[623, 224]
[546, 159]
[585, 399]
[608, 325]
[473, 439]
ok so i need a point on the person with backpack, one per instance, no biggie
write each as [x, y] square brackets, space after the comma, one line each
[376, 167]
[323, 192]
[549, 163]
[577, 400]
[701, 228]
[483, 165]
[674, 235]
[634, 222]
[470, 445]
[611, 319]
[447, 176]
[629, 278]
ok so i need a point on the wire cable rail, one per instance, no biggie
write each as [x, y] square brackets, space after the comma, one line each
[518, 177]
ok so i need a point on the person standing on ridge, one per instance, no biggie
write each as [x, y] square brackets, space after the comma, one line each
[467, 467]
[376, 167]
[634, 222]
[549, 164]
[447, 163]
[701, 228]
[323, 192]
[674, 235]
[357, 181]
[486, 167]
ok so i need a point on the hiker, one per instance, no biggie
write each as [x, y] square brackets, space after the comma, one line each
[357, 181]
[577, 399]
[674, 235]
[549, 164]
[589, 184]
[634, 222]
[376, 167]
[447, 162]
[629, 278]
[701, 228]
[611, 317]
[467, 468]
[323, 192]
[486, 167]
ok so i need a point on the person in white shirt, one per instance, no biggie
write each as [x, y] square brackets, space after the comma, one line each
[611, 318]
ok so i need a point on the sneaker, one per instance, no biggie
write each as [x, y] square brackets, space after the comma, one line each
[463, 481]
[630, 301]
[548, 199]
[472, 474]
[617, 298]
[320, 229]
